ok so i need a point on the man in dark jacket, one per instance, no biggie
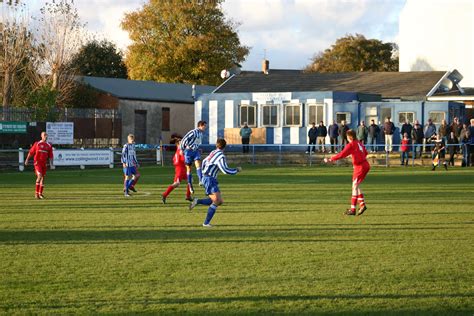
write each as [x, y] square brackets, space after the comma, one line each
[429, 132]
[456, 127]
[372, 136]
[443, 131]
[321, 140]
[333, 134]
[417, 137]
[388, 130]
[312, 135]
[406, 128]
[343, 133]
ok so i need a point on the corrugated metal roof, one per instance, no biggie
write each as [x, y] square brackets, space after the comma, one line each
[391, 85]
[146, 90]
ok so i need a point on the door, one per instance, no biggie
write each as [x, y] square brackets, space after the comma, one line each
[140, 127]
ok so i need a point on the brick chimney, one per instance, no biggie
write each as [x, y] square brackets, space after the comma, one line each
[265, 66]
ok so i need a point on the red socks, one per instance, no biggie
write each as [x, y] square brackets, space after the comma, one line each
[353, 203]
[361, 200]
[37, 191]
[168, 191]
[188, 192]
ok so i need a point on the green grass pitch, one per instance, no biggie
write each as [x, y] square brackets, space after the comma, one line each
[280, 245]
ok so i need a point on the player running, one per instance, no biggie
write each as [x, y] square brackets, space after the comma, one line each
[211, 165]
[41, 152]
[179, 172]
[361, 168]
[190, 146]
[130, 164]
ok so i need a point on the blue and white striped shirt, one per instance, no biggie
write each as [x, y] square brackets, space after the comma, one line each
[192, 139]
[129, 156]
[215, 161]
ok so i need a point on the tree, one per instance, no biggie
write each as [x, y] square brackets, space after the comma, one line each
[15, 45]
[100, 59]
[60, 35]
[181, 41]
[356, 53]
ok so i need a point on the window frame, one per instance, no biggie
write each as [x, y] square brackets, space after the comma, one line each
[293, 105]
[382, 118]
[406, 112]
[437, 123]
[309, 120]
[163, 110]
[277, 106]
[248, 105]
[348, 122]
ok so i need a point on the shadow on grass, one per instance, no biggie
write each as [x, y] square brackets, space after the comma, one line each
[201, 235]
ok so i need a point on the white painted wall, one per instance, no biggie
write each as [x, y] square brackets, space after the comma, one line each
[438, 35]
[212, 122]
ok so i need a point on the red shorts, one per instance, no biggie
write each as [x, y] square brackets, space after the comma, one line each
[180, 176]
[360, 172]
[41, 169]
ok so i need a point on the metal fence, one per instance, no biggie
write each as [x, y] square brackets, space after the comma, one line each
[56, 114]
[296, 155]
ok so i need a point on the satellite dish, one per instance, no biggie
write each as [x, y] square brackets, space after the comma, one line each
[225, 74]
[446, 85]
[235, 70]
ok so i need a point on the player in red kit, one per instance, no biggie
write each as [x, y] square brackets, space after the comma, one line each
[41, 152]
[361, 168]
[179, 172]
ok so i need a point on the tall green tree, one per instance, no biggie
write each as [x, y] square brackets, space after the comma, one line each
[356, 53]
[99, 59]
[181, 41]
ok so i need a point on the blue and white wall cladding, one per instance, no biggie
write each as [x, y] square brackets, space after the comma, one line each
[221, 110]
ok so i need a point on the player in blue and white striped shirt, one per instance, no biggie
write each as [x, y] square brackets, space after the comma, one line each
[190, 146]
[130, 163]
[211, 165]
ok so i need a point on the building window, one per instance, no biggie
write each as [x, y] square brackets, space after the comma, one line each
[165, 119]
[406, 116]
[293, 114]
[343, 116]
[248, 113]
[270, 115]
[437, 117]
[315, 113]
[386, 112]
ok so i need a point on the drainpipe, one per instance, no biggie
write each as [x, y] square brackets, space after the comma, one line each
[422, 113]
[358, 114]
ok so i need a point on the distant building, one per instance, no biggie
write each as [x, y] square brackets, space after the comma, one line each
[150, 110]
[281, 105]
[438, 35]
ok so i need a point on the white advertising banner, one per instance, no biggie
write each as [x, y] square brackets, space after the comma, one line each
[77, 157]
[276, 97]
[60, 133]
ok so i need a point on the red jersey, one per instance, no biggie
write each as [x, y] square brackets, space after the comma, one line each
[356, 149]
[41, 152]
[178, 161]
[405, 143]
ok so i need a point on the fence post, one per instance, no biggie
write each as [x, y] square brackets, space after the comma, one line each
[21, 159]
[310, 157]
[253, 154]
[82, 166]
[111, 158]
[279, 155]
[386, 158]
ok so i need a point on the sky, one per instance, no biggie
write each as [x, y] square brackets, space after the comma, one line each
[289, 31]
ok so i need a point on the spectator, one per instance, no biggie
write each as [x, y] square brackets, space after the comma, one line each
[333, 134]
[388, 129]
[417, 137]
[372, 136]
[471, 142]
[404, 150]
[406, 129]
[343, 129]
[312, 135]
[452, 147]
[443, 130]
[456, 127]
[362, 132]
[429, 131]
[465, 137]
[322, 133]
[439, 152]
[245, 133]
